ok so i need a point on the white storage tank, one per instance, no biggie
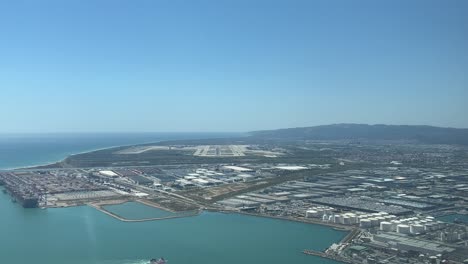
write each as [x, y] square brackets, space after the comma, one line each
[395, 223]
[374, 221]
[353, 219]
[403, 229]
[346, 220]
[386, 226]
[388, 218]
[429, 227]
[311, 213]
[380, 219]
[392, 217]
[416, 229]
[365, 223]
[320, 211]
[337, 219]
[364, 216]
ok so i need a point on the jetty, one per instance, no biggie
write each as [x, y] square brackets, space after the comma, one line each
[333, 253]
[118, 217]
[326, 255]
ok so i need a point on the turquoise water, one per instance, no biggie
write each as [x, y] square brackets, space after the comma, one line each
[83, 235]
[134, 210]
[452, 217]
[21, 150]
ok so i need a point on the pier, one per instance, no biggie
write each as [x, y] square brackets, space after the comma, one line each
[335, 256]
[326, 255]
[118, 217]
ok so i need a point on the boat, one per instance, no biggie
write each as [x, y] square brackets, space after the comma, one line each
[158, 261]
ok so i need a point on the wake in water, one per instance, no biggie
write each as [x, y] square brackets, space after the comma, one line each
[127, 261]
[140, 261]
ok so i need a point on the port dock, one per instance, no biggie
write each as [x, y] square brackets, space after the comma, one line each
[325, 255]
[334, 256]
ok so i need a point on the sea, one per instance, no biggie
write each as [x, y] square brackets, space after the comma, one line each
[24, 150]
[83, 235]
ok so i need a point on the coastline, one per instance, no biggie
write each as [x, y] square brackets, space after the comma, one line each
[163, 136]
[99, 206]
[48, 163]
[31, 167]
[298, 220]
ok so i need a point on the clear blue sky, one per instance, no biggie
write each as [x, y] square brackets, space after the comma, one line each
[237, 65]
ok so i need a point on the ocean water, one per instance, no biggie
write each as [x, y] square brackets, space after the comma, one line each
[83, 235]
[136, 211]
[22, 150]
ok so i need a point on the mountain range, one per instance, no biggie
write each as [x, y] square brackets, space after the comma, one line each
[418, 133]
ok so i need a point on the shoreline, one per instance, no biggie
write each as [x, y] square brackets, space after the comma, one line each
[99, 206]
[297, 220]
[48, 163]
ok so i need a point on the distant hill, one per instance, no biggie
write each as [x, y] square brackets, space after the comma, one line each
[423, 134]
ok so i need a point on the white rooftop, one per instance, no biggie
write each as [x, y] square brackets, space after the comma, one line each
[291, 168]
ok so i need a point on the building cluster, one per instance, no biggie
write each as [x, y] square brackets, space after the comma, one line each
[399, 208]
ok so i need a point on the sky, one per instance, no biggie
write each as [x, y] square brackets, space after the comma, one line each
[230, 65]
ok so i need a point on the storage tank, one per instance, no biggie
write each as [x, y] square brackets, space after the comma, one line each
[429, 227]
[374, 221]
[386, 226]
[416, 229]
[337, 219]
[388, 218]
[380, 219]
[353, 218]
[311, 213]
[365, 223]
[392, 217]
[362, 217]
[403, 229]
[320, 212]
[433, 259]
[346, 220]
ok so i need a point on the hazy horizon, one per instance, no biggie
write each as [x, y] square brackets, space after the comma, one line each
[230, 66]
[195, 132]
